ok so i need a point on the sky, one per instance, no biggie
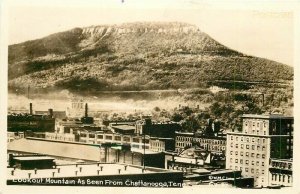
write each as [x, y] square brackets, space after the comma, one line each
[261, 29]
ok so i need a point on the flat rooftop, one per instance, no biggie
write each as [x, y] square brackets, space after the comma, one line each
[271, 116]
[123, 127]
[82, 170]
[31, 158]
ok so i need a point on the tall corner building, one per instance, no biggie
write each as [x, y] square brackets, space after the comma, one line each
[263, 138]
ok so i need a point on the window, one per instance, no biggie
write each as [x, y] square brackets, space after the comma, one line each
[242, 138]
[262, 171]
[258, 140]
[242, 146]
[252, 155]
[231, 137]
[242, 153]
[241, 161]
[231, 145]
[135, 140]
[257, 155]
[91, 135]
[280, 177]
[247, 161]
[247, 146]
[246, 169]
[263, 148]
[100, 136]
[253, 147]
[253, 140]
[262, 163]
[231, 152]
[236, 138]
[236, 145]
[247, 139]
[258, 147]
[118, 138]
[236, 160]
[252, 163]
[263, 156]
[236, 153]
[126, 139]
[252, 170]
[230, 159]
[257, 163]
[247, 153]
[108, 137]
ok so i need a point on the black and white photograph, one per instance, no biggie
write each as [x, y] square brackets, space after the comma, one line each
[153, 94]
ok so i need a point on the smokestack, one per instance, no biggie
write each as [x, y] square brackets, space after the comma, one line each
[86, 110]
[50, 112]
[30, 108]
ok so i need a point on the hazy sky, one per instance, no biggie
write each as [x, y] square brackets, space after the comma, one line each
[259, 29]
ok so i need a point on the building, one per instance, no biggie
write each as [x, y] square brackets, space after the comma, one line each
[161, 144]
[281, 172]
[105, 152]
[60, 136]
[11, 136]
[263, 137]
[195, 157]
[31, 162]
[211, 143]
[30, 122]
[90, 174]
[77, 109]
[157, 129]
[54, 114]
[27, 122]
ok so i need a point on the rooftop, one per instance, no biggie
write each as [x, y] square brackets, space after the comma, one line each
[123, 127]
[22, 158]
[91, 169]
[272, 116]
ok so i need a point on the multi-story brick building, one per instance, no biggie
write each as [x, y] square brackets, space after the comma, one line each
[281, 172]
[211, 143]
[262, 137]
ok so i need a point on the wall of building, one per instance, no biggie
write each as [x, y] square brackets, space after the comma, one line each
[213, 144]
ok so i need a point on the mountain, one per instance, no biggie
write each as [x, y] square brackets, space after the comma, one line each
[134, 56]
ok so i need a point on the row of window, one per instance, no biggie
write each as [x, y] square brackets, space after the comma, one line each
[247, 146]
[200, 140]
[249, 170]
[116, 138]
[281, 178]
[258, 132]
[248, 139]
[156, 144]
[257, 123]
[283, 165]
[241, 161]
[248, 154]
[205, 146]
